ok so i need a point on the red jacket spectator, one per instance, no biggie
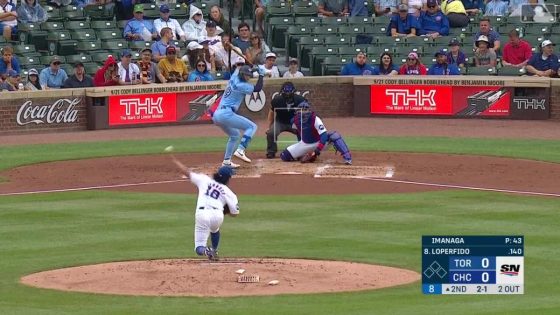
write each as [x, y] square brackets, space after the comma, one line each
[413, 66]
[108, 74]
[516, 52]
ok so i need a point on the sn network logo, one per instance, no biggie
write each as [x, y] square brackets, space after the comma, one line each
[510, 270]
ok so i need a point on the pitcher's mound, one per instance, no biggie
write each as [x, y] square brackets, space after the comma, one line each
[195, 277]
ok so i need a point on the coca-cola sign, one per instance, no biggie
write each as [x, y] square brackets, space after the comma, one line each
[63, 111]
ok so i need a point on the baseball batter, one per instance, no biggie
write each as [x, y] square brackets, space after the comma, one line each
[314, 137]
[226, 116]
[213, 196]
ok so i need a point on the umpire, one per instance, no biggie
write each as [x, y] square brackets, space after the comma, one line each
[280, 116]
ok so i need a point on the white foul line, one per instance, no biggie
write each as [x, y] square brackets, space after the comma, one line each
[521, 192]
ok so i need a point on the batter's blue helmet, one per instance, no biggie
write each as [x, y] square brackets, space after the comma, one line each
[304, 105]
[246, 70]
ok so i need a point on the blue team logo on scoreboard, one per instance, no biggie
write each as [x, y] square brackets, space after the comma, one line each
[472, 264]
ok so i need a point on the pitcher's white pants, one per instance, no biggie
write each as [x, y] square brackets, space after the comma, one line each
[206, 221]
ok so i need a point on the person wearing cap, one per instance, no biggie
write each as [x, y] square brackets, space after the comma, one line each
[496, 8]
[455, 56]
[544, 63]
[441, 67]
[79, 79]
[149, 71]
[213, 37]
[517, 52]
[200, 73]
[172, 68]
[195, 26]
[129, 73]
[9, 61]
[269, 67]
[195, 51]
[485, 28]
[293, 70]
[484, 57]
[166, 21]
[402, 24]
[159, 47]
[138, 29]
[385, 7]
[433, 22]
[8, 19]
[12, 81]
[413, 66]
[32, 80]
[213, 195]
[358, 67]
[31, 11]
[455, 12]
[229, 121]
[52, 77]
[333, 7]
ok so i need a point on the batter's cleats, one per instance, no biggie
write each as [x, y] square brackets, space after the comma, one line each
[230, 164]
[241, 155]
[212, 254]
[348, 162]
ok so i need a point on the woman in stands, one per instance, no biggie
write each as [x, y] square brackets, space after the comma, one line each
[30, 11]
[200, 73]
[108, 74]
[386, 66]
[413, 66]
[255, 53]
[217, 16]
[33, 80]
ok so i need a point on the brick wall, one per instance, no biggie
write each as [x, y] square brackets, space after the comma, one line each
[555, 101]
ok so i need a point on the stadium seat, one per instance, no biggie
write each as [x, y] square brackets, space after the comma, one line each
[30, 61]
[139, 45]
[333, 64]
[305, 8]
[72, 13]
[72, 59]
[510, 71]
[101, 56]
[293, 34]
[151, 14]
[112, 34]
[104, 25]
[536, 29]
[307, 20]
[88, 46]
[278, 11]
[68, 68]
[55, 15]
[91, 67]
[32, 33]
[325, 30]
[84, 35]
[336, 21]
[360, 20]
[338, 41]
[121, 24]
[316, 57]
[22, 50]
[114, 45]
[60, 43]
[351, 50]
[417, 40]
[98, 13]
[76, 25]
[481, 71]
[52, 26]
[276, 31]
[350, 30]
[381, 20]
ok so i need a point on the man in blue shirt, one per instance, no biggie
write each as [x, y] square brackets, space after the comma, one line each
[360, 67]
[544, 63]
[9, 61]
[484, 28]
[433, 22]
[52, 77]
[139, 29]
[229, 121]
[441, 67]
[403, 24]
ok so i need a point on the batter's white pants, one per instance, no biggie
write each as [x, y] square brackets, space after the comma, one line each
[206, 221]
[299, 149]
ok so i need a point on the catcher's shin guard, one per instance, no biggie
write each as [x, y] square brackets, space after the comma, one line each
[339, 145]
[286, 156]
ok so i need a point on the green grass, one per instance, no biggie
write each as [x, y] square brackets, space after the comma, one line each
[544, 150]
[44, 232]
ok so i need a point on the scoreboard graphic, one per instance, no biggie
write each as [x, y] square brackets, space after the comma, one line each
[473, 264]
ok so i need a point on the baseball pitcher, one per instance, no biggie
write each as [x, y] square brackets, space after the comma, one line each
[314, 137]
[215, 199]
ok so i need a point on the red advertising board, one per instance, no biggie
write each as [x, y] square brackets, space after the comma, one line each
[142, 109]
[411, 99]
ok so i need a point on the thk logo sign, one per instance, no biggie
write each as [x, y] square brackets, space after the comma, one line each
[530, 103]
[406, 97]
[135, 106]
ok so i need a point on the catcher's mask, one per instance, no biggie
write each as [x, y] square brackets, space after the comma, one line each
[245, 71]
[223, 174]
[288, 89]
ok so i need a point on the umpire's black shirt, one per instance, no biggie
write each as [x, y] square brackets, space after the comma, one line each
[283, 114]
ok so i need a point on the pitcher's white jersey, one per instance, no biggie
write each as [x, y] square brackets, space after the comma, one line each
[213, 195]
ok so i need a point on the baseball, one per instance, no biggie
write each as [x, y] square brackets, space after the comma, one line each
[273, 282]
[169, 149]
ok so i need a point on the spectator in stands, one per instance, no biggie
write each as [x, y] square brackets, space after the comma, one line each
[124, 8]
[200, 73]
[413, 66]
[415, 7]
[139, 29]
[486, 29]
[223, 55]
[195, 26]
[455, 56]
[514, 7]
[159, 47]
[108, 75]
[433, 22]
[9, 61]
[260, 13]
[32, 80]
[358, 67]
[129, 73]
[217, 16]
[206, 55]
[12, 81]
[149, 71]
[166, 21]
[473, 7]
[8, 19]
[52, 77]
[441, 67]
[270, 68]
[79, 79]
[30, 11]
[333, 7]
[243, 40]
[496, 8]
[484, 57]
[385, 7]
[358, 8]
[293, 71]
[172, 68]
[213, 37]
[455, 12]
[255, 54]
[517, 52]
[403, 23]
[544, 63]
[386, 66]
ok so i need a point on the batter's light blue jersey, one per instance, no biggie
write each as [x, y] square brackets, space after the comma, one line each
[235, 92]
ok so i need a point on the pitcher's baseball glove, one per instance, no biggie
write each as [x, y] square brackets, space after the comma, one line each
[226, 209]
[309, 157]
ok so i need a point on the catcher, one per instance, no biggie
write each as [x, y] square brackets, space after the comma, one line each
[314, 137]
[215, 199]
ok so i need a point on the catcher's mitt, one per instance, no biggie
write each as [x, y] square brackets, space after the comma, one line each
[226, 209]
[309, 157]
